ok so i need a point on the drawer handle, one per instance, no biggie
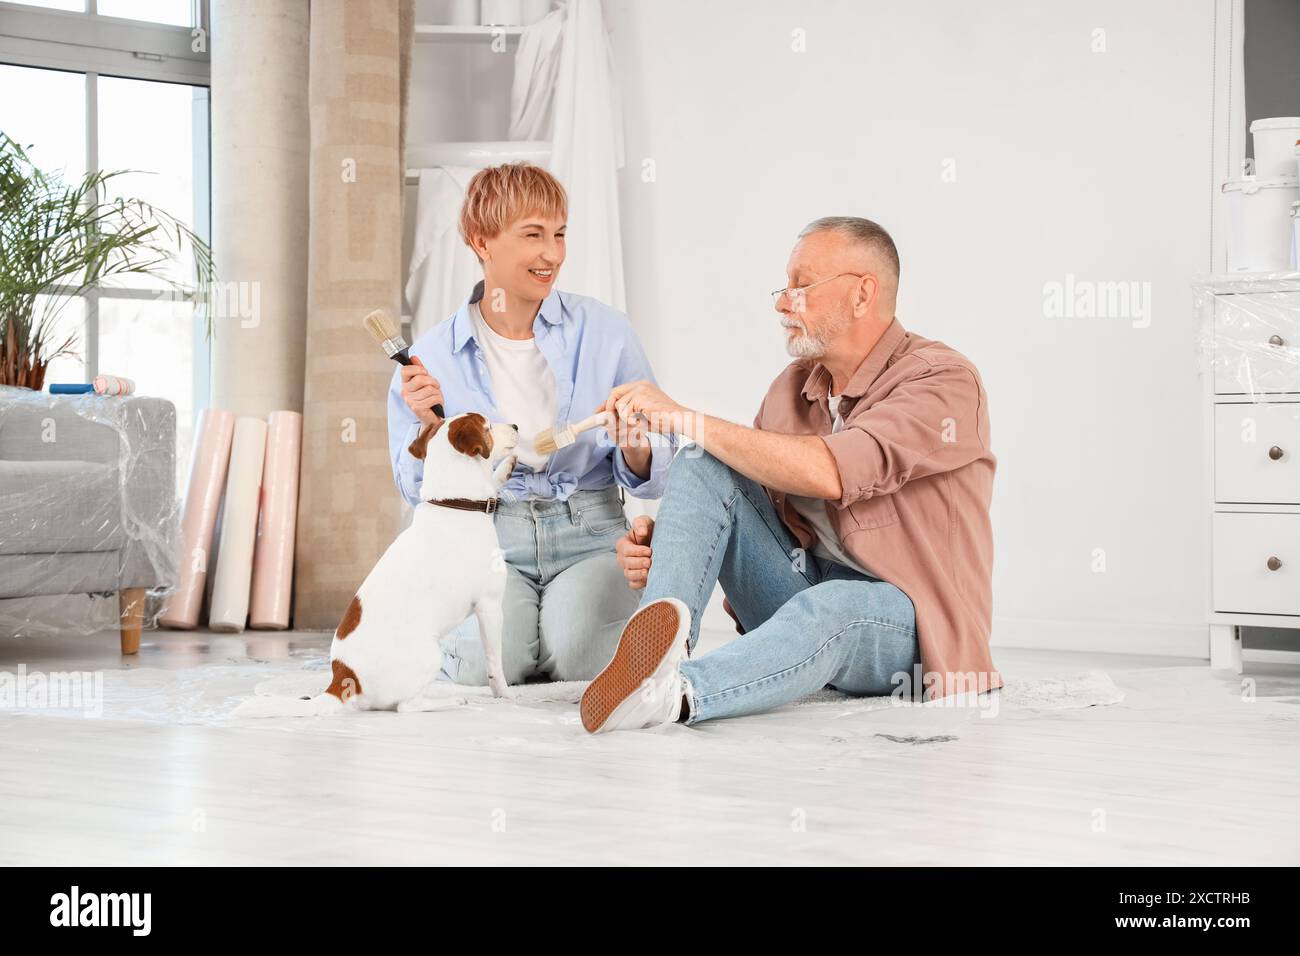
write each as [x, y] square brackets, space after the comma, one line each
[1275, 340]
[1275, 453]
[1274, 564]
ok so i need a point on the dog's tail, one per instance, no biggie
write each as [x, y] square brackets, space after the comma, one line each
[319, 706]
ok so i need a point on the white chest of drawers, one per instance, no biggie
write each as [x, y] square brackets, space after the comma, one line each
[1250, 331]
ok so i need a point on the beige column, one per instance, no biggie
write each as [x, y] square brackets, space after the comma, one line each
[260, 144]
[348, 507]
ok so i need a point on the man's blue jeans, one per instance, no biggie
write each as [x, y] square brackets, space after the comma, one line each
[809, 623]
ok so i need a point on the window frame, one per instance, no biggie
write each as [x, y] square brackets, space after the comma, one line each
[95, 45]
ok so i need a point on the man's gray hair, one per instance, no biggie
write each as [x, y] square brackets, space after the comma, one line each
[859, 230]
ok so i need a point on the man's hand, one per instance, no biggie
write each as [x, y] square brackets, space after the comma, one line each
[420, 391]
[663, 415]
[633, 550]
[794, 464]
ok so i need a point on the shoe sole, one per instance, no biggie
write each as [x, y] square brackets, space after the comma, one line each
[647, 638]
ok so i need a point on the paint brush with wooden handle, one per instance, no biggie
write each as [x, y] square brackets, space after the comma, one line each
[385, 331]
[553, 439]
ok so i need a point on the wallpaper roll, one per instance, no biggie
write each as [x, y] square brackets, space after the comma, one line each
[214, 558]
[113, 385]
[277, 524]
[202, 499]
[229, 608]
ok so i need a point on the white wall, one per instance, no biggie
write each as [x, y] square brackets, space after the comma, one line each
[1067, 161]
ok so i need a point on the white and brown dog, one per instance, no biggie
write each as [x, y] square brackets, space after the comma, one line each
[443, 567]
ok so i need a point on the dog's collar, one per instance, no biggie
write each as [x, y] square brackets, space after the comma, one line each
[485, 505]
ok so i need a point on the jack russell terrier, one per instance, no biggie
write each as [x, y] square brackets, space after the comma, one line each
[446, 564]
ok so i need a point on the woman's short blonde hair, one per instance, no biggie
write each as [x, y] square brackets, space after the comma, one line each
[500, 195]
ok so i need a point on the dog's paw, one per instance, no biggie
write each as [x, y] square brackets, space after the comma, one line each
[504, 692]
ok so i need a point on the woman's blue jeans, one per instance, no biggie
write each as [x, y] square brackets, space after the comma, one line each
[566, 599]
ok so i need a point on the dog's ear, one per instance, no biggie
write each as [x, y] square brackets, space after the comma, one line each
[420, 446]
[471, 436]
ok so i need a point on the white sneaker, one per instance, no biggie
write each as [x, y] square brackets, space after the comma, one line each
[642, 686]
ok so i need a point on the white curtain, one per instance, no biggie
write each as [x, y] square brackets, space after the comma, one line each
[564, 91]
[443, 269]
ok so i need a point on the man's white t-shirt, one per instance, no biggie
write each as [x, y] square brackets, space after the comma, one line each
[522, 383]
[813, 510]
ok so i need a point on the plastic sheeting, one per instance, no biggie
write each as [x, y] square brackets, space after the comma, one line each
[88, 508]
[1250, 334]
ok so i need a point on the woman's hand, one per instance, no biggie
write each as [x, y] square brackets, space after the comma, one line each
[633, 550]
[623, 432]
[420, 391]
[630, 437]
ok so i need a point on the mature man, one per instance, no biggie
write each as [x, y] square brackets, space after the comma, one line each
[849, 527]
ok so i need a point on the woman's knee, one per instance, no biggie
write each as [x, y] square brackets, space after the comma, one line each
[462, 647]
[582, 615]
[465, 663]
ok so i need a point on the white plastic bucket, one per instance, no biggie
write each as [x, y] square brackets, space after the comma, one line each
[1259, 223]
[1275, 140]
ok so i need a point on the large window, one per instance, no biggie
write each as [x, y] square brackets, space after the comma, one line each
[144, 110]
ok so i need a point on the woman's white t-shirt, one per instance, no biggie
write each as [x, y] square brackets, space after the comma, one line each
[522, 383]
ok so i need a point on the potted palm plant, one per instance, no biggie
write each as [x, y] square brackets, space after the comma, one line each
[57, 240]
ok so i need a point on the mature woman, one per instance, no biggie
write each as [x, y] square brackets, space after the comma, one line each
[519, 350]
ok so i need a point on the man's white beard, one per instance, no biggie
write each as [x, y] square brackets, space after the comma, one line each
[808, 344]
[805, 345]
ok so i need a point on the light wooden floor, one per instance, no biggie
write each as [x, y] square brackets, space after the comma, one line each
[1184, 770]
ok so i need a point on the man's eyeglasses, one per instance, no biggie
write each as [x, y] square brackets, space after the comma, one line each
[798, 296]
